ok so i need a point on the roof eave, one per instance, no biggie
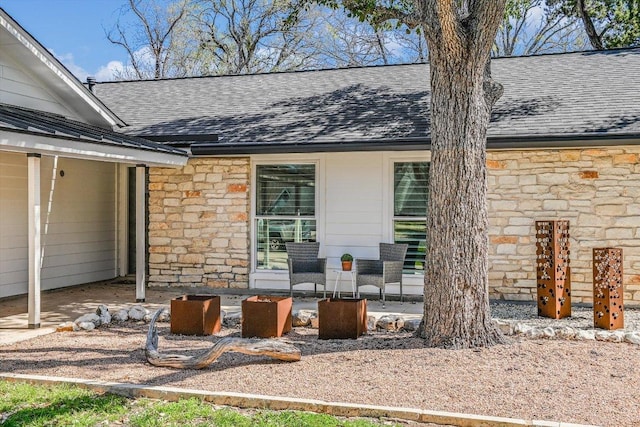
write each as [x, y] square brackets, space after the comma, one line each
[412, 144]
[30, 142]
[44, 57]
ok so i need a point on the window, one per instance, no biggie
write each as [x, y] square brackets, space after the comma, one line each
[285, 211]
[410, 195]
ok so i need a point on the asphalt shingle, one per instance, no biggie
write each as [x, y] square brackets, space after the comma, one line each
[571, 95]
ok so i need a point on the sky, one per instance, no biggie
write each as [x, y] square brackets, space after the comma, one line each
[74, 31]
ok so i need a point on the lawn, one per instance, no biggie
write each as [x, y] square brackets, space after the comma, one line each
[27, 405]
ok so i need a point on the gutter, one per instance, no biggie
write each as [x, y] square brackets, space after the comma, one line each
[410, 144]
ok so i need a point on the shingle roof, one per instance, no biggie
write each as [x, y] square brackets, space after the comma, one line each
[570, 96]
[20, 119]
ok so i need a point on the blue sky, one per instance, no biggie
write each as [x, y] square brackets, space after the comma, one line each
[74, 30]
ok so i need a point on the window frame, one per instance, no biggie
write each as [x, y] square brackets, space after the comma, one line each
[293, 160]
[393, 218]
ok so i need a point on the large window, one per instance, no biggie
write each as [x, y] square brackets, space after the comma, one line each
[285, 211]
[410, 195]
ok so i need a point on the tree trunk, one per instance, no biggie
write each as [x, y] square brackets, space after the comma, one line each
[456, 302]
[594, 38]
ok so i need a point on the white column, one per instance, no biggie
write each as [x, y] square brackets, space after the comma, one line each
[35, 249]
[141, 233]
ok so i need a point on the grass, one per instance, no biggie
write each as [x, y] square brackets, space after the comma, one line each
[28, 405]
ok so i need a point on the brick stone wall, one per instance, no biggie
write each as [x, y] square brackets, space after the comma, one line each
[199, 218]
[597, 190]
[199, 224]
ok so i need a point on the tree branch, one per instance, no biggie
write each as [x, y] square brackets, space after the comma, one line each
[256, 347]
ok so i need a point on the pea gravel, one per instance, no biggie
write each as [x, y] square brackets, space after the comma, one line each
[591, 382]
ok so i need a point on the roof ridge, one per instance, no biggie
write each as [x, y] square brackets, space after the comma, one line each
[364, 67]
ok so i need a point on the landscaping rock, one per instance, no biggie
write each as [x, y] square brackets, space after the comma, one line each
[121, 316]
[232, 320]
[632, 338]
[411, 325]
[88, 318]
[103, 312]
[549, 332]
[566, 333]
[303, 317]
[165, 316]
[315, 323]
[137, 312]
[87, 326]
[371, 323]
[535, 333]
[586, 334]
[522, 328]
[390, 323]
[504, 326]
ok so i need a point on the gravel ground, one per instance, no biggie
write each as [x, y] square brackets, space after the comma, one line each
[589, 382]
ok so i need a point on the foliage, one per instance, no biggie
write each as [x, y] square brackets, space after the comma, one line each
[27, 405]
[608, 23]
[346, 257]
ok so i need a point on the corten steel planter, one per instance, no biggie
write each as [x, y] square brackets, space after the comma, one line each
[195, 315]
[342, 318]
[608, 290]
[552, 269]
[266, 316]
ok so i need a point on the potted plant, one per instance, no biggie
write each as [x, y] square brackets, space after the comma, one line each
[347, 262]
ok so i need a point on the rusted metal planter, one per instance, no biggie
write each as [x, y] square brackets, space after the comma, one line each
[195, 315]
[608, 290]
[342, 318]
[552, 269]
[266, 316]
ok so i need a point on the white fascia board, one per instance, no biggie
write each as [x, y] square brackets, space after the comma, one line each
[26, 143]
[62, 73]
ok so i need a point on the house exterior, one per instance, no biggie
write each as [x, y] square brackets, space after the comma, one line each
[65, 178]
[342, 156]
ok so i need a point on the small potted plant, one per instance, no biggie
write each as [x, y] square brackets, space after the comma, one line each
[347, 262]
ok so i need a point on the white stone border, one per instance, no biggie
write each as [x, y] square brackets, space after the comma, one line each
[255, 401]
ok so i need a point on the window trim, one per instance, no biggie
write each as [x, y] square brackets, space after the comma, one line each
[389, 198]
[256, 161]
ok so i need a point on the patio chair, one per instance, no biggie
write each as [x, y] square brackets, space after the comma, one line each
[305, 266]
[383, 271]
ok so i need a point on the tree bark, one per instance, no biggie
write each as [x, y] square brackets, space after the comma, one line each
[456, 301]
[270, 347]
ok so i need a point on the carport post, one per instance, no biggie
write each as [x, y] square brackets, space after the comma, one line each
[141, 233]
[35, 249]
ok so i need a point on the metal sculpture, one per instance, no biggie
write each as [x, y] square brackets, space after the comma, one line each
[552, 269]
[608, 290]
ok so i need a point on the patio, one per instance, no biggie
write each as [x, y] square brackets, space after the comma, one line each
[67, 304]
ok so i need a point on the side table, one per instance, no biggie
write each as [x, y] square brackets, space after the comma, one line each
[352, 277]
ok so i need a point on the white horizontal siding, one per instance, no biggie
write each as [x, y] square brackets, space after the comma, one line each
[78, 231]
[354, 205]
[18, 88]
[78, 222]
[13, 224]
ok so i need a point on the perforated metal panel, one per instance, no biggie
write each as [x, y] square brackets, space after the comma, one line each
[552, 269]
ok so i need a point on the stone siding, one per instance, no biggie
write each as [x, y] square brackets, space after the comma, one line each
[596, 189]
[199, 224]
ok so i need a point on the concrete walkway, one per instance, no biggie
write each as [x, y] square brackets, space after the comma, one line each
[63, 305]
